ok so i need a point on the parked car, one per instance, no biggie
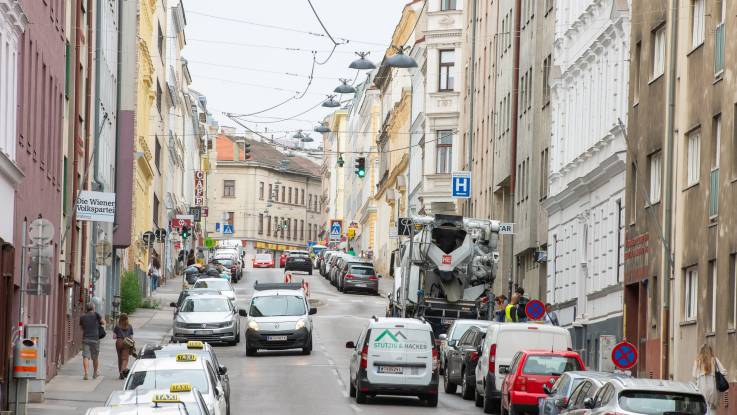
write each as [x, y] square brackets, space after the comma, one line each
[298, 261]
[360, 276]
[263, 261]
[501, 344]
[590, 383]
[331, 265]
[336, 265]
[344, 266]
[559, 394]
[647, 396]
[449, 341]
[326, 256]
[461, 363]
[377, 368]
[529, 371]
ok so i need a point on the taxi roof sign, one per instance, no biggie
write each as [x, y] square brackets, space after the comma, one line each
[195, 344]
[186, 357]
[166, 398]
[180, 387]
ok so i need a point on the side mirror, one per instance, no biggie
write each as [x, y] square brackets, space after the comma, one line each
[588, 403]
[443, 337]
[222, 370]
[350, 345]
[313, 310]
[172, 304]
[503, 370]
[546, 389]
[242, 313]
[561, 403]
[452, 343]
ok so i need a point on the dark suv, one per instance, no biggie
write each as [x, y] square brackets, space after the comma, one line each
[298, 261]
[359, 276]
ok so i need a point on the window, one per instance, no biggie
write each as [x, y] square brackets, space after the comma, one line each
[547, 63]
[268, 226]
[690, 294]
[157, 153]
[228, 188]
[447, 4]
[719, 38]
[160, 42]
[158, 95]
[302, 196]
[693, 158]
[229, 217]
[301, 229]
[444, 151]
[447, 62]
[289, 228]
[294, 234]
[260, 223]
[655, 163]
[636, 80]
[714, 174]
[633, 205]
[156, 211]
[658, 51]
[697, 23]
[309, 201]
[732, 295]
[717, 134]
[544, 170]
[711, 295]
[283, 194]
[274, 195]
[261, 190]
[290, 196]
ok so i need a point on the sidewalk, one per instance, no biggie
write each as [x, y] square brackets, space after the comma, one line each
[68, 393]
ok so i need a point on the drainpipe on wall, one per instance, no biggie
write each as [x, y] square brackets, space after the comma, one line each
[471, 105]
[513, 141]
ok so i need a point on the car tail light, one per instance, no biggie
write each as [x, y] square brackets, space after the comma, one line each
[520, 384]
[474, 356]
[364, 357]
[435, 359]
[492, 358]
[348, 276]
[373, 278]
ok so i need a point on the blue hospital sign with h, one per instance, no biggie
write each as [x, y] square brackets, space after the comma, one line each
[461, 185]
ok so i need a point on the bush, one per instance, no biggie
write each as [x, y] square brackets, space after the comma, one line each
[150, 303]
[130, 292]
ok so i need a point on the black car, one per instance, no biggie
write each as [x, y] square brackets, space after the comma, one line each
[461, 363]
[298, 261]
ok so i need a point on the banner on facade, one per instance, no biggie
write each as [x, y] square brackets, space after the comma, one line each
[96, 206]
[199, 187]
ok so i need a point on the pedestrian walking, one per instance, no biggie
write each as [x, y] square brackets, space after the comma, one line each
[92, 330]
[501, 304]
[705, 370]
[510, 311]
[522, 304]
[351, 252]
[190, 258]
[551, 317]
[154, 272]
[123, 334]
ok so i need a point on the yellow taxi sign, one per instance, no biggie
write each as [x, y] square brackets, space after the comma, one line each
[180, 387]
[195, 344]
[186, 357]
[166, 398]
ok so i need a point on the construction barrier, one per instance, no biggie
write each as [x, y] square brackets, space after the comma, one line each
[306, 287]
[288, 278]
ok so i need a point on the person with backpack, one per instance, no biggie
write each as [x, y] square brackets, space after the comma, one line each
[92, 331]
[710, 377]
[521, 304]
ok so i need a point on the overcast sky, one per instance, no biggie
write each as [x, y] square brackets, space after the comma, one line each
[221, 42]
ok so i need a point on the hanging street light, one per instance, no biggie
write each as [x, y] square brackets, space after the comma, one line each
[298, 135]
[399, 59]
[331, 102]
[307, 139]
[322, 128]
[362, 63]
[344, 88]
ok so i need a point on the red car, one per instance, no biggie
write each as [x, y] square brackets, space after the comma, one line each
[529, 371]
[263, 261]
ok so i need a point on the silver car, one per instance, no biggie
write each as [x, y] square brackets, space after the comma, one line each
[209, 318]
[219, 284]
[630, 396]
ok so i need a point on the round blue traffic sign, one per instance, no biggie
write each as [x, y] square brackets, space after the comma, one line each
[624, 355]
[535, 310]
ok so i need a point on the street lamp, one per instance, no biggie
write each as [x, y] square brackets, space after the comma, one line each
[399, 59]
[298, 135]
[331, 102]
[307, 139]
[344, 88]
[362, 63]
[322, 128]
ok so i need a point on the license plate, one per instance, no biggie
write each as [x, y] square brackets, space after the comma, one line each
[395, 370]
[360, 285]
[203, 332]
[446, 321]
[276, 338]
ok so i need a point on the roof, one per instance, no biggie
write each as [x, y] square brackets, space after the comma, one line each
[139, 409]
[382, 322]
[144, 396]
[264, 154]
[165, 363]
[473, 321]
[655, 385]
[272, 293]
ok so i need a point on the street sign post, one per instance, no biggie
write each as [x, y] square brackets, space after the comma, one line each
[535, 310]
[199, 187]
[209, 243]
[149, 238]
[228, 228]
[461, 185]
[336, 229]
[196, 212]
[624, 355]
[160, 235]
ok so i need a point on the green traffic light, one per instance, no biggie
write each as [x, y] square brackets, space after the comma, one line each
[361, 173]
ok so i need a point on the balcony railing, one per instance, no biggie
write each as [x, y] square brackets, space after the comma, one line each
[714, 193]
[719, 48]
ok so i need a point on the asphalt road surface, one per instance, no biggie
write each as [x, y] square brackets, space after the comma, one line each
[287, 382]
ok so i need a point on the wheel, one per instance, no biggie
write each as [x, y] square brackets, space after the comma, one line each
[448, 385]
[431, 400]
[238, 337]
[491, 406]
[478, 399]
[310, 272]
[467, 387]
[307, 349]
[352, 391]
[250, 351]
[441, 369]
[360, 396]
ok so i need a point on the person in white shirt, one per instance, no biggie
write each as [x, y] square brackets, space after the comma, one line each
[551, 317]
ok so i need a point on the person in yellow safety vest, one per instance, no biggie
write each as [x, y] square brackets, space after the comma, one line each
[510, 312]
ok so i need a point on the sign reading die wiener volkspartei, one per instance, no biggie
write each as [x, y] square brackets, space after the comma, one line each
[96, 206]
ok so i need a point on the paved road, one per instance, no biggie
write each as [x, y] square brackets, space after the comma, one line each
[289, 383]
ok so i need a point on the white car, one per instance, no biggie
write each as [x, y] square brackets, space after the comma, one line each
[501, 343]
[184, 368]
[154, 401]
[219, 284]
[394, 356]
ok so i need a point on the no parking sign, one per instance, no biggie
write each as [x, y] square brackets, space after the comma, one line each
[535, 310]
[624, 355]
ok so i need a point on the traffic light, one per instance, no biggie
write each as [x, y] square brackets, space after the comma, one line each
[248, 155]
[360, 167]
[184, 232]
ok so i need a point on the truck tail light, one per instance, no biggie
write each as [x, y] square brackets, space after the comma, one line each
[474, 356]
[364, 357]
[435, 359]
[520, 384]
[492, 358]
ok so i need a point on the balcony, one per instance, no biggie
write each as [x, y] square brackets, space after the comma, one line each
[714, 193]
[719, 48]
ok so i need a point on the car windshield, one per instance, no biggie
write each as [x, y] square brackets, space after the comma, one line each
[277, 305]
[361, 270]
[205, 305]
[263, 257]
[221, 285]
[550, 365]
[460, 329]
[224, 261]
[660, 403]
[298, 255]
[156, 378]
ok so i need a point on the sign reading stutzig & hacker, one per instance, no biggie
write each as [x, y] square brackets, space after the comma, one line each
[96, 206]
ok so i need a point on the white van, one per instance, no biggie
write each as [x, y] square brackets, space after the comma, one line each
[395, 356]
[502, 342]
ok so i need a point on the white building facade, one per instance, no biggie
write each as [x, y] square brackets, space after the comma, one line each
[587, 173]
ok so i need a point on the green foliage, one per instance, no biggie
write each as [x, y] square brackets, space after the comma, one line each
[130, 292]
[150, 303]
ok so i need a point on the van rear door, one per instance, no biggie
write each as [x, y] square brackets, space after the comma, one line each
[386, 357]
[418, 354]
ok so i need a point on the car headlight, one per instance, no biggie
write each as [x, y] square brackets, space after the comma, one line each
[253, 325]
[180, 325]
[300, 324]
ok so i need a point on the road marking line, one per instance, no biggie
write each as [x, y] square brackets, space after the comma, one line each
[355, 407]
